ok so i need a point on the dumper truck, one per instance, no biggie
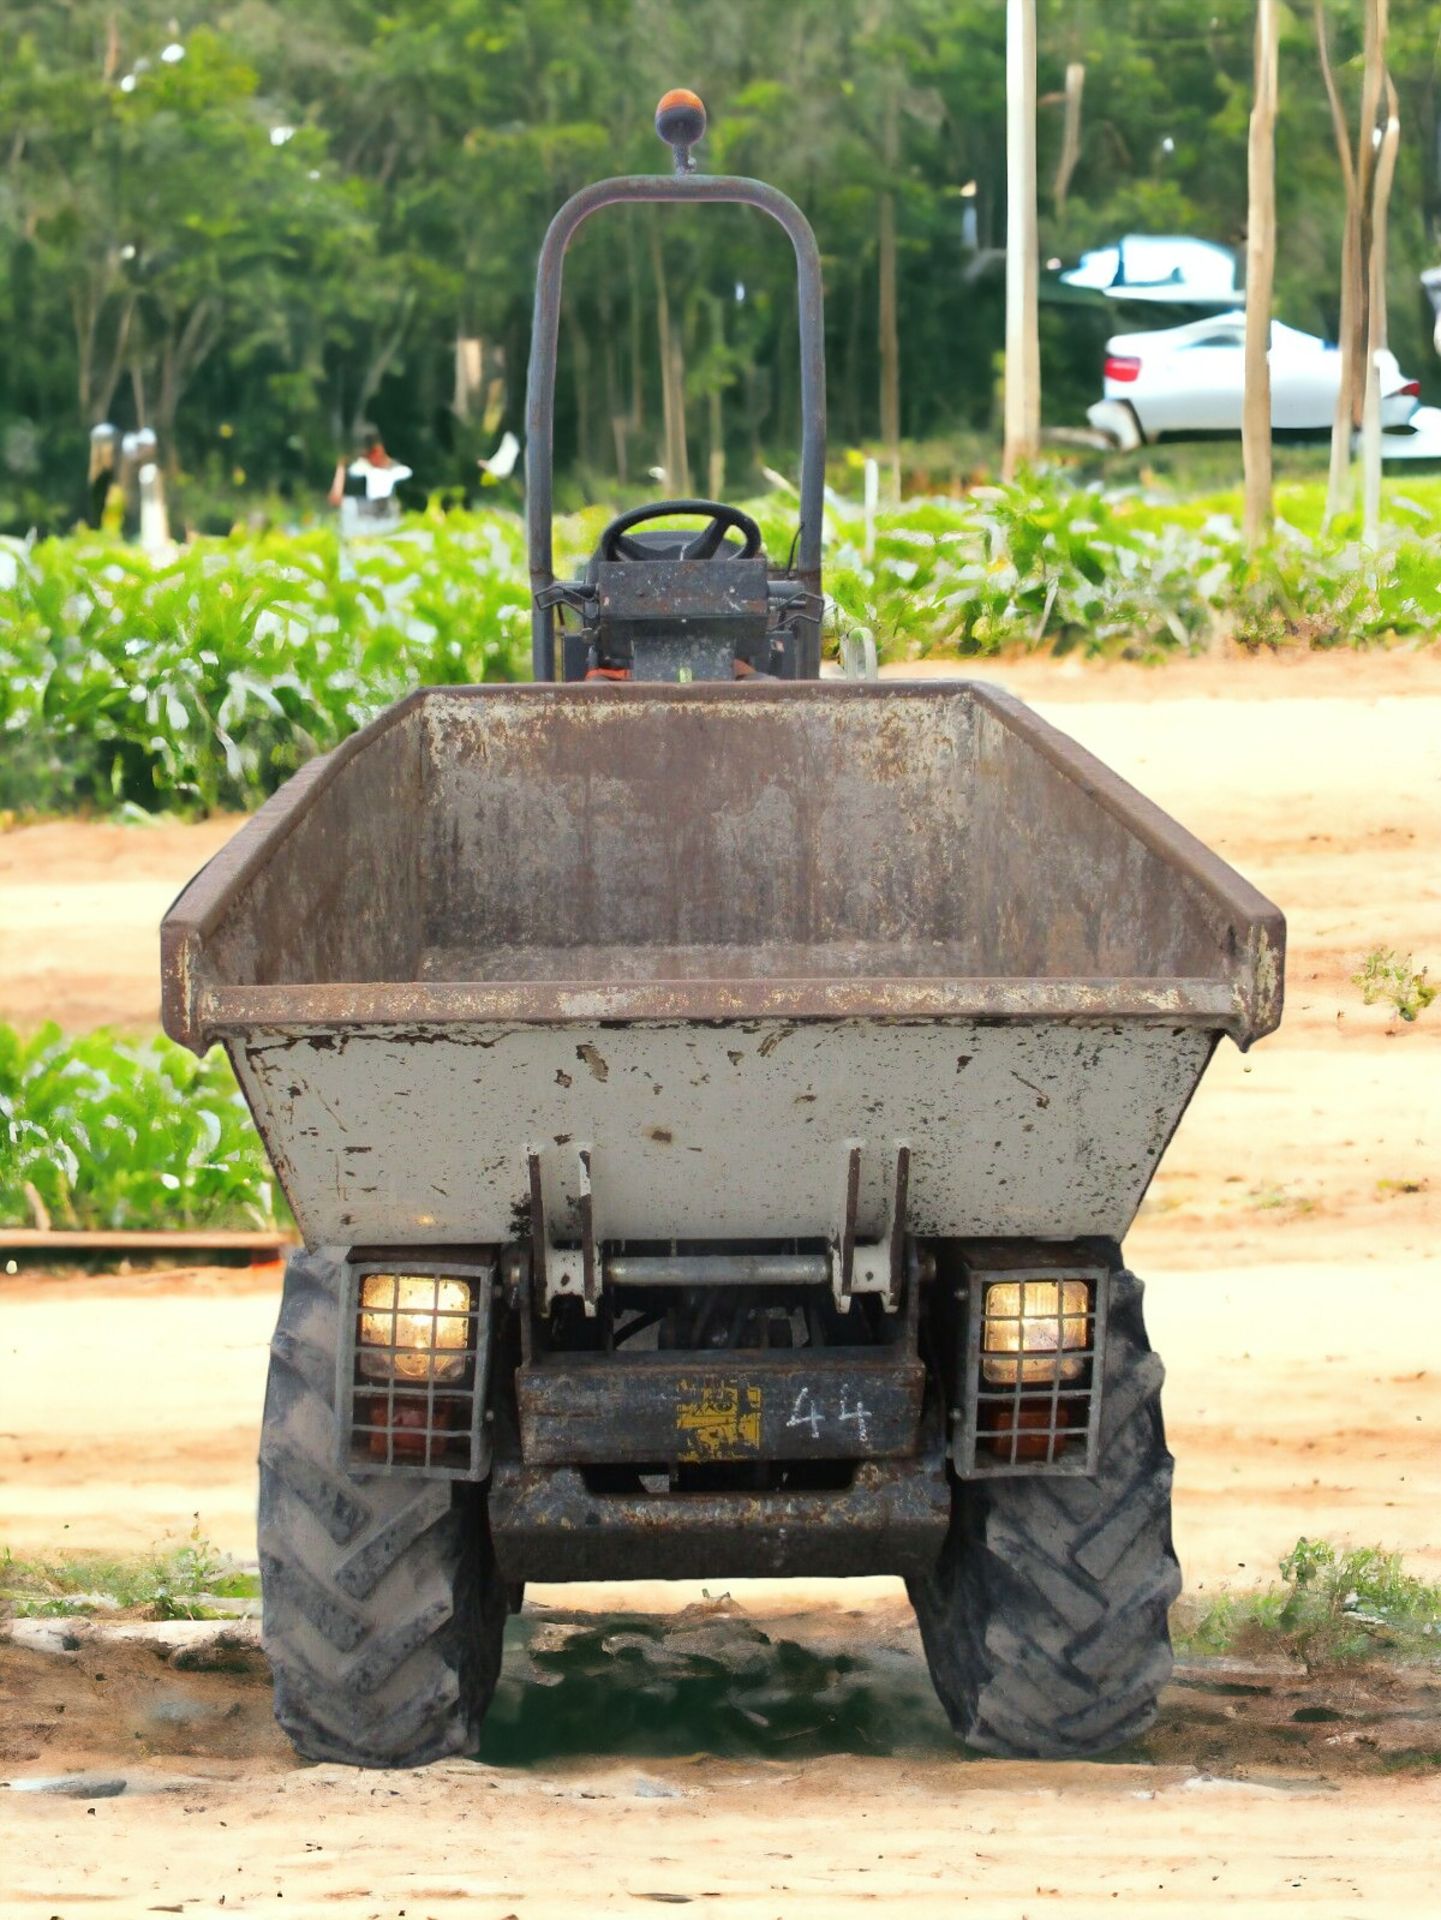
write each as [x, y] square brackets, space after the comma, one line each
[713, 1098]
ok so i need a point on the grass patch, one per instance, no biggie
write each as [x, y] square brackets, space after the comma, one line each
[1335, 1607]
[169, 1583]
[1276, 1199]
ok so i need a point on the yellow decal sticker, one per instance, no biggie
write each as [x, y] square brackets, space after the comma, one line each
[717, 1419]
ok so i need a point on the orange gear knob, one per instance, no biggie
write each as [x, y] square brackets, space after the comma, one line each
[680, 117]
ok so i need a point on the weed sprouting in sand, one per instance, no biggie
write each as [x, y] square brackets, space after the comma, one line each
[1385, 974]
[1335, 1606]
[172, 1582]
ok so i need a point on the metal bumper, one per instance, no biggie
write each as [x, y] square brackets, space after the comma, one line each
[839, 1404]
[547, 1525]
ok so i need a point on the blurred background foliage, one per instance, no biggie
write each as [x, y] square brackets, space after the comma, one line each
[252, 225]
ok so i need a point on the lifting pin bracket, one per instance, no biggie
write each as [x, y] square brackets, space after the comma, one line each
[560, 1271]
[871, 1266]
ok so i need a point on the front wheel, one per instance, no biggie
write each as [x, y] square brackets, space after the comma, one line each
[383, 1607]
[1044, 1621]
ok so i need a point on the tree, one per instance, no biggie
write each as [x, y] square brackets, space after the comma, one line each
[890, 345]
[1347, 418]
[1260, 272]
[1023, 351]
[1367, 173]
[1374, 233]
[163, 244]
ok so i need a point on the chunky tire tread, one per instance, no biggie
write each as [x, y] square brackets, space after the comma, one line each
[383, 1608]
[358, 1574]
[315, 1365]
[332, 1500]
[1045, 1620]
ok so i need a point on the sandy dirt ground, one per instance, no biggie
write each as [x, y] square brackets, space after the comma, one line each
[1291, 1249]
[771, 1766]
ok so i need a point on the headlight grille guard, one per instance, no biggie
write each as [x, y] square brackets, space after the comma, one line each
[1046, 1420]
[432, 1427]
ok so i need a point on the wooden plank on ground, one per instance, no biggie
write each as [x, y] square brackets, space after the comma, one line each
[181, 1240]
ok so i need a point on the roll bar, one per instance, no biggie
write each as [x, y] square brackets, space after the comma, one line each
[684, 188]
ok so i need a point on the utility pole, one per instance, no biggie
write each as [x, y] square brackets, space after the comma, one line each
[1023, 345]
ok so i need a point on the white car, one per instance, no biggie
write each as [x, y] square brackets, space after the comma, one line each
[1190, 379]
[1160, 268]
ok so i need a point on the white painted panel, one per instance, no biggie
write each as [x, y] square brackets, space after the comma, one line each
[731, 1130]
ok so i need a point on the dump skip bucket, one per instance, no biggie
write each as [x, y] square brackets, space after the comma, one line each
[711, 940]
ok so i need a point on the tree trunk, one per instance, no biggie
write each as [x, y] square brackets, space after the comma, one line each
[678, 463]
[584, 393]
[1070, 134]
[672, 380]
[1338, 480]
[1023, 351]
[850, 423]
[1376, 308]
[1372, 77]
[380, 360]
[716, 454]
[111, 63]
[716, 459]
[181, 357]
[637, 349]
[615, 413]
[98, 376]
[1260, 270]
[890, 347]
[662, 323]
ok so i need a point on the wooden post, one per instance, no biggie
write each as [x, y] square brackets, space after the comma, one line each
[1023, 348]
[1260, 273]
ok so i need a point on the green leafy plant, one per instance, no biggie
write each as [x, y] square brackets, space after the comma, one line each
[203, 683]
[1335, 1606]
[104, 1131]
[1387, 975]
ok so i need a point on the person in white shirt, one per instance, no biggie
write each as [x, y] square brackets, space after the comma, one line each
[364, 487]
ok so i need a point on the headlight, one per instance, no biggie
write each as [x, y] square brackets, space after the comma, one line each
[414, 1326]
[1027, 1324]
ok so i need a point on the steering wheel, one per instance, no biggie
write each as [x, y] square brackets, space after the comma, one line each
[615, 546]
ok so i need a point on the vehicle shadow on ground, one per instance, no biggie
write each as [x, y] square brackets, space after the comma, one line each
[713, 1680]
[717, 1683]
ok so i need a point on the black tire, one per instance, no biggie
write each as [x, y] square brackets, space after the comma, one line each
[1143, 438]
[383, 1609]
[1045, 1620]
